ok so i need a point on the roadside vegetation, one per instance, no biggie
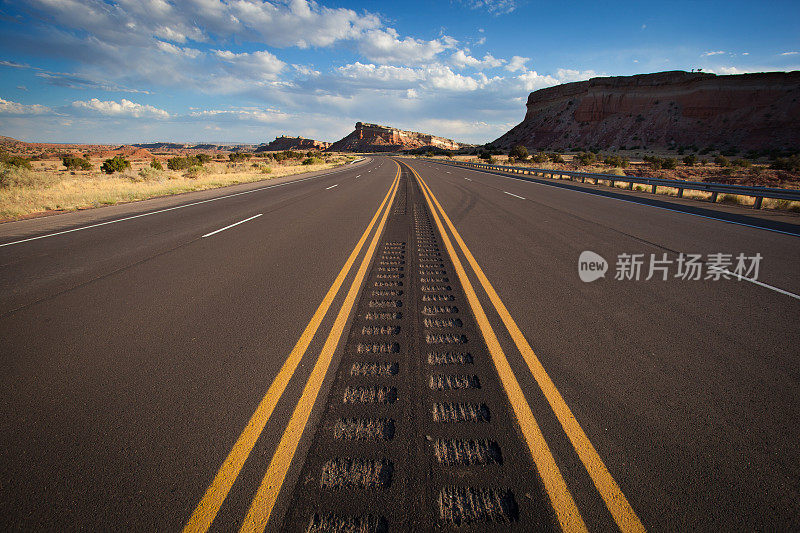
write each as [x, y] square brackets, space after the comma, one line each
[769, 168]
[69, 182]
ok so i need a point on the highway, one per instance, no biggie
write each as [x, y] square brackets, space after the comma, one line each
[396, 345]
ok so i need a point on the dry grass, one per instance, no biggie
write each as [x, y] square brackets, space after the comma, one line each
[48, 187]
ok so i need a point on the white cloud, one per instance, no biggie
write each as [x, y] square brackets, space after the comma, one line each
[124, 108]
[441, 77]
[385, 46]
[707, 54]
[8, 107]
[565, 75]
[381, 73]
[789, 53]
[268, 115]
[254, 65]
[411, 94]
[745, 53]
[517, 63]
[531, 80]
[177, 50]
[461, 60]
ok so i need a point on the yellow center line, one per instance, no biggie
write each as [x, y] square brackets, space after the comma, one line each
[267, 494]
[563, 504]
[203, 516]
[609, 490]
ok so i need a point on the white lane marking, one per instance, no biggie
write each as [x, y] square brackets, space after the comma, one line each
[171, 208]
[751, 280]
[232, 225]
[358, 176]
[514, 195]
[447, 171]
[331, 187]
[639, 203]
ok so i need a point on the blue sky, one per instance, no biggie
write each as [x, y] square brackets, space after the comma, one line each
[249, 70]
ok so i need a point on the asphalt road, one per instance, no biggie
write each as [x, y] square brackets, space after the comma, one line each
[140, 354]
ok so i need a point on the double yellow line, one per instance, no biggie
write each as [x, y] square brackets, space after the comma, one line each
[266, 496]
[564, 505]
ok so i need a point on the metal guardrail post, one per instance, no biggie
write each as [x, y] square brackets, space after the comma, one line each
[680, 192]
[654, 188]
[713, 197]
[757, 203]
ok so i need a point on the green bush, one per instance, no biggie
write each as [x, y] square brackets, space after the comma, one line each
[617, 161]
[239, 156]
[115, 164]
[540, 158]
[156, 164]
[75, 163]
[721, 161]
[690, 160]
[742, 163]
[15, 161]
[519, 152]
[585, 158]
[555, 158]
[182, 163]
[791, 163]
[669, 163]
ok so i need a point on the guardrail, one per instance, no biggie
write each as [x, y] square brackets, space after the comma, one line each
[759, 193]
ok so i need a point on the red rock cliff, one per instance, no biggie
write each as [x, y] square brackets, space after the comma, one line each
[375, 138]
[666, 108]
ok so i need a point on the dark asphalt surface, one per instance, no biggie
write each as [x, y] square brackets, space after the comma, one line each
[690, 390]
[135, 352]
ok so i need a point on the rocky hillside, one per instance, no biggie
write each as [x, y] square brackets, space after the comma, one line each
[746, 111]
[292, 143]
[374, 138]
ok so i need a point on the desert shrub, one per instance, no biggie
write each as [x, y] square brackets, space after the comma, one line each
[266, 170]
[490, 159]
[617, 161]
[690, 160]
[669, 163]
[742, 163]
[484, 155]
[586, 158]
[75, 163]
[182, 163]
[149, 174]
[239, 156]
[156, 164]
[519, 152]
[115, 164]
[309, 161]
[791, 163]
[15, 161]
[12, 176]
[721, 161]
[539, 158]
[555, 158]
[194, 172]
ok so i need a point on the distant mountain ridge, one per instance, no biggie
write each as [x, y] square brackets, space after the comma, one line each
[746, 111]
